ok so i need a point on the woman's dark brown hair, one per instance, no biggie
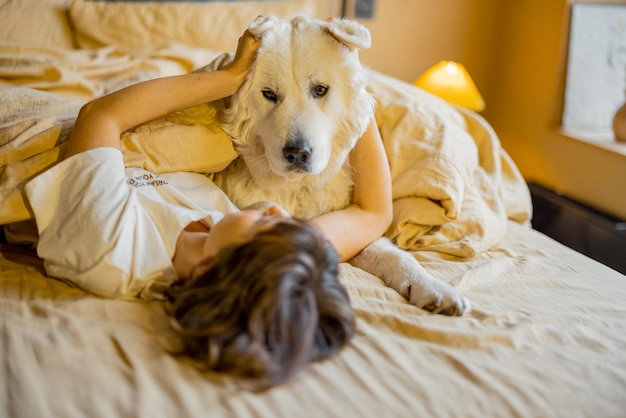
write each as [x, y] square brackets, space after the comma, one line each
[265, 308]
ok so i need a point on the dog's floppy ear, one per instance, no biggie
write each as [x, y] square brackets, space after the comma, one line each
[261, 24]
[349, 33]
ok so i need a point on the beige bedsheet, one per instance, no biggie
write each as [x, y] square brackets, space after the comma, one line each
[547, 338]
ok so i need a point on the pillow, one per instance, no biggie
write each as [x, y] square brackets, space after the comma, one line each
[188, 140]
[41, 22]
[212, 25]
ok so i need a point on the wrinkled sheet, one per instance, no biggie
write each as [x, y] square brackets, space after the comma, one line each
[547, 338]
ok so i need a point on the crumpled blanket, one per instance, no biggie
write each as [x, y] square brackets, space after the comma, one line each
[454, 186]
[33, 127]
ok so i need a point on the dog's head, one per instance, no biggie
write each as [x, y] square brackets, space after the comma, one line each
[304, 104]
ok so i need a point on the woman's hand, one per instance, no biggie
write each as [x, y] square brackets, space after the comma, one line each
[245, 55]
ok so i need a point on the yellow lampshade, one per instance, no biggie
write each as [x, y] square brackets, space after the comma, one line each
[451, 81]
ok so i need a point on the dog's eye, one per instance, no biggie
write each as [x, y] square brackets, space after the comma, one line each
[320, 90]
[269, 95]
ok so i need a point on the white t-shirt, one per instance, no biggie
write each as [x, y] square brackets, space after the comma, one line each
[112, 230]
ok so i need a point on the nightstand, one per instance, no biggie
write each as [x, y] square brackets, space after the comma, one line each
[580, 227]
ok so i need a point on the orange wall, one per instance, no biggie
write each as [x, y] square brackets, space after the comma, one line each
[516, 52]
[527, 100]
[410, 36]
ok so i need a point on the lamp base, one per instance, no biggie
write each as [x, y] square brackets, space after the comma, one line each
[619, 124]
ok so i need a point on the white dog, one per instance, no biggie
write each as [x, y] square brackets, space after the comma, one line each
[295, 120]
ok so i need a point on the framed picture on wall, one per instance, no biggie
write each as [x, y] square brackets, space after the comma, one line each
[595, 85]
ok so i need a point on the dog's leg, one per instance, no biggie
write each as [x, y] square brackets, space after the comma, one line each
[403, 273]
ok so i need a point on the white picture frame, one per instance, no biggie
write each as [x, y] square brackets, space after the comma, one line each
[595, 85]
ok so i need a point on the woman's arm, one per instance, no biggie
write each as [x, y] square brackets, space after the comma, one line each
[368, 217]
[101, 122]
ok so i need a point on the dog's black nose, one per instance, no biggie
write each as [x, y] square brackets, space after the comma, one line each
[297, 153]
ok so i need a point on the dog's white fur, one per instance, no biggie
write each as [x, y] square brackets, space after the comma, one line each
[295, 120]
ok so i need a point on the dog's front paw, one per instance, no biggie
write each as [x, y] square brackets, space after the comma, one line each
[401, 271]
[438, 298]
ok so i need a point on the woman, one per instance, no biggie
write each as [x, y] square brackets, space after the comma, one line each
[253, 292]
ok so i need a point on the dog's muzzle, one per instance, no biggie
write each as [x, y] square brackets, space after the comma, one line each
[298, 154]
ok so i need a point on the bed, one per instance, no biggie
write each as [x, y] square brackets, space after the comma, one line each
[546, 337]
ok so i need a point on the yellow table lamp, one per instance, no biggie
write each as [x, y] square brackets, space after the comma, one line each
[451, 81]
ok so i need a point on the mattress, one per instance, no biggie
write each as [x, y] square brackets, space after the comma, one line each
[547, 337]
